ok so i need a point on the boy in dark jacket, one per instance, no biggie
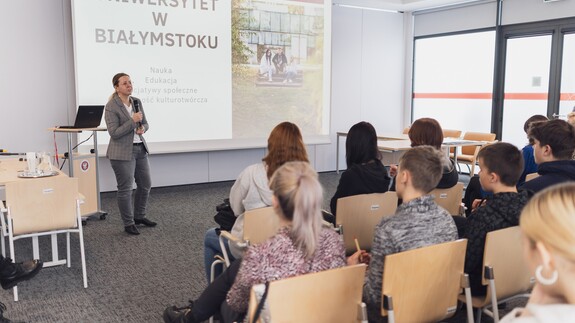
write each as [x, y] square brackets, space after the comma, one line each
[501, 166]
[554, 144]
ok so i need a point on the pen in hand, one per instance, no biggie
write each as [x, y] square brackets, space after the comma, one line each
[358, 248]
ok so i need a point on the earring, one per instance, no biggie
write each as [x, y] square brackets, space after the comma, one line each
[543, 280]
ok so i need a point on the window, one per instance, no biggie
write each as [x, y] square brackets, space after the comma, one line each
[453, 80]
[567, 96]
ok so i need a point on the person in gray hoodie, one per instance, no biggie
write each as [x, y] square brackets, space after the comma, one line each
[417, 222]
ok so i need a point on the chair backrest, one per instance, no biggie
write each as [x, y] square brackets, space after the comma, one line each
[328, 296]
[260, 224]
[504, 253]
[424, 283]
[479, 136]
[449, 198]
[406, 130]
[531, 176]
[450, 133]
[42, 204]
[358, 215]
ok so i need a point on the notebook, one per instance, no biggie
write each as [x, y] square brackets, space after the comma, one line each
[88, 116]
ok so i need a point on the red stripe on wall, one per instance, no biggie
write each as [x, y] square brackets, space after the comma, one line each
[488, 96]
[452, 95]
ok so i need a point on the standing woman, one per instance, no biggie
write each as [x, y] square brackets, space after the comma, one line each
[128, 152]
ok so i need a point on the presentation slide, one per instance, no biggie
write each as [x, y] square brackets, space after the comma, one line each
[211, 74]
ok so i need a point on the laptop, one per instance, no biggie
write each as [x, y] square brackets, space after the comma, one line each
[88, 116]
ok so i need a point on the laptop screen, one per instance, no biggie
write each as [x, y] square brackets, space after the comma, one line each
[88, 116]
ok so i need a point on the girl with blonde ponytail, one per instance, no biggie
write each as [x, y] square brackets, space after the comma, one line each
[548, 226]
[302, 245]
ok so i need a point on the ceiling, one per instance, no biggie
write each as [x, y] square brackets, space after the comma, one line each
[402, 5]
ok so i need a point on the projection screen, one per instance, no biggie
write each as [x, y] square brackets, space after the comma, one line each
[211, 74]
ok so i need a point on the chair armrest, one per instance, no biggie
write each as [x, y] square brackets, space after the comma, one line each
[242, 244]
[230, 237]
[326, 224]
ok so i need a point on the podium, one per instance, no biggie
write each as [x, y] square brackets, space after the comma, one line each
[85, 167]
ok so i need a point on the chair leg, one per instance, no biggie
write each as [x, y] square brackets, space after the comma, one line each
[11, 246]
[3, 242]
[82, 252]
[68, 258]
[479, 312]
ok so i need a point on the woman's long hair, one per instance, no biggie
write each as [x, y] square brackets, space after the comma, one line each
[300, 196]
[549, 217]
[361, 144]
[285, 144]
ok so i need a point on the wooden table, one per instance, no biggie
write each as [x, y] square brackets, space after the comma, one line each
[380, 137]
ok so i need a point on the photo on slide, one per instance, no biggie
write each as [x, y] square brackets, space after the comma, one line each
[277, 65]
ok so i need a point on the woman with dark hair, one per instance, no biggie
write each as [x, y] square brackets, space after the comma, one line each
[267, 67]
[365, 173]
[428, 132]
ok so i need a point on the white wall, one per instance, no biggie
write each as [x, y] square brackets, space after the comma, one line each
[37, 88]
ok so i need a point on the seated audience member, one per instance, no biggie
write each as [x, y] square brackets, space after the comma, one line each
[418, 222]
[427, 131]
[554, 144]
[365, 173]
[501, 164]
[301, 246]
[291, 70]
[251, 189]
[13, 273]
[571, 118]
[529, 165]
[548, 227]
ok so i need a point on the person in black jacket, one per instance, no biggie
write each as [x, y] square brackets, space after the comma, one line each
[501, 166]
[554, 144]
[365, 173]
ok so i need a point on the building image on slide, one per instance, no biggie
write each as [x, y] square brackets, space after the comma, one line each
[278, 65]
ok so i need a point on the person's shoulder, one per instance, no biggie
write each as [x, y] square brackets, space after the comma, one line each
[328, 233]
[551, 312]
[255, 168]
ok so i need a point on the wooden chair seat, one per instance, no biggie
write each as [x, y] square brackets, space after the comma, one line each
[468, 154]
[423, 285]
[327, 296]
[505, 272]
[358, 215]
[449, 198]
[42, 207]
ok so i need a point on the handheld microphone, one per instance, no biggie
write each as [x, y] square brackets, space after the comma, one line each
[137, 109]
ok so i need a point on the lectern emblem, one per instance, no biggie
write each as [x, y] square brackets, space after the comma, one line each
[85, 165]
